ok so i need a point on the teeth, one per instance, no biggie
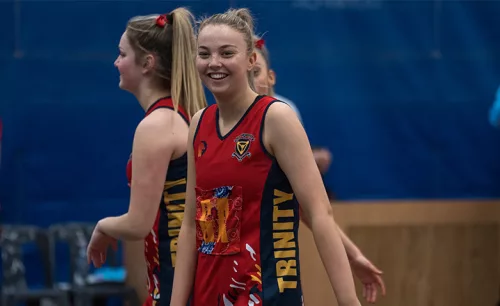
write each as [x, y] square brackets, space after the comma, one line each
[217, 76]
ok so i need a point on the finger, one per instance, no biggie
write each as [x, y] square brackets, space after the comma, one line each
[366, 292]
[381, 284]
[95, 261]
[369, 293]
[91, 258]
[103, 258]
[373, 297]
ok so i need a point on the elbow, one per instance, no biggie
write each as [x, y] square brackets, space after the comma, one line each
[140, 232]
[124, 228]
[319, 215]
[325, 211]
[141, 235]
[329, 210]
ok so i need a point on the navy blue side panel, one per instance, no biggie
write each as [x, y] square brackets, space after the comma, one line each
[280, 242]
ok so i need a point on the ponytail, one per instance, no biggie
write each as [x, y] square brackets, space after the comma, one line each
[186, 88]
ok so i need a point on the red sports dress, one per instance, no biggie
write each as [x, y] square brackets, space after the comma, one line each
[247, 217]
[161, 243]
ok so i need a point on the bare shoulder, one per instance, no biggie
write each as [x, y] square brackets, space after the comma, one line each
[156, 129]
[156, 121]
[281, 118]
[280, 110]
[281, 124]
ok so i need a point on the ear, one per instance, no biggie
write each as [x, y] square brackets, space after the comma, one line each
[271, 78]
[148, 63]
[251, 61]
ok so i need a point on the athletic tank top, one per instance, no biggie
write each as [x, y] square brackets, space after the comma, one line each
[247, 217]
[160, 245]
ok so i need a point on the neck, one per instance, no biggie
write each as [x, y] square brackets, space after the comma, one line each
[231, 108]
[148, 96]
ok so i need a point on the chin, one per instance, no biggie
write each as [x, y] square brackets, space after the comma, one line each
[123, 86]
[218, 89]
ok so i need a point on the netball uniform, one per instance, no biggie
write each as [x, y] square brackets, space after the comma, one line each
[247, 217]
[161, 243]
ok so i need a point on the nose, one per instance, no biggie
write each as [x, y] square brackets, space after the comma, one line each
[116, 62]
[214, 62]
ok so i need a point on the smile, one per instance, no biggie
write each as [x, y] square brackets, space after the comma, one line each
[217, 76]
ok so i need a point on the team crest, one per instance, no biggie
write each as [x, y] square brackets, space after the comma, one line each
[242, 146]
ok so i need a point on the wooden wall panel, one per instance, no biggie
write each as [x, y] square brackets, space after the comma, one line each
[434, 264]
[432, 253]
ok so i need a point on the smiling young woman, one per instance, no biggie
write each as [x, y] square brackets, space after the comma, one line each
[238, 240]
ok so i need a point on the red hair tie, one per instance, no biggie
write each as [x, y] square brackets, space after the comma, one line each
[162, 20]
[259, 44]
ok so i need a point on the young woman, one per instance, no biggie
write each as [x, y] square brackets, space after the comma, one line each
[249, 165]
[368, 274]
[156, 65]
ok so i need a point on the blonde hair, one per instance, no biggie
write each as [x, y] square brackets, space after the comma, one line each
[174, 47]
[240, 20]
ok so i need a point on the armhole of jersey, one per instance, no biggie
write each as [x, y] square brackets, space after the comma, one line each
[178, 112]
[261, 132]
[184, 116]
[198, 125]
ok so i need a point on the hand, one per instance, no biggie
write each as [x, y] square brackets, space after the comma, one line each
[323, 159]
[98, 247]
[370, 277]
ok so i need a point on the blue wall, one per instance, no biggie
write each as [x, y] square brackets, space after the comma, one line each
[398, 90]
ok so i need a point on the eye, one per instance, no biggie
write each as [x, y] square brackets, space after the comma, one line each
[256, 71]
[203, 54]
[227, 54]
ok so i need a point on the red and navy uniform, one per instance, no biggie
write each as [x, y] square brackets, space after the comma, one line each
[247, 217]
[161, 243]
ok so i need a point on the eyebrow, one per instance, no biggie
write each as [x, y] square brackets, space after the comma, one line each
[221, 47]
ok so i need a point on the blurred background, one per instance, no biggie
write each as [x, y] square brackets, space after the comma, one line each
[400, 92]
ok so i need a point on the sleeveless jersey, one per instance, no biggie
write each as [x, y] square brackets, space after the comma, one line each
[160, 245]
[247, 217]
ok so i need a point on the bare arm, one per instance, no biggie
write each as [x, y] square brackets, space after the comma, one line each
[286, 139]
[186, 245]
[135, 265]
[350, 247]
[151, 154]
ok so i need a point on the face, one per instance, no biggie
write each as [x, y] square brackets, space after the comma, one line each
[130, 71]
[264, 79]
[222, 60]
